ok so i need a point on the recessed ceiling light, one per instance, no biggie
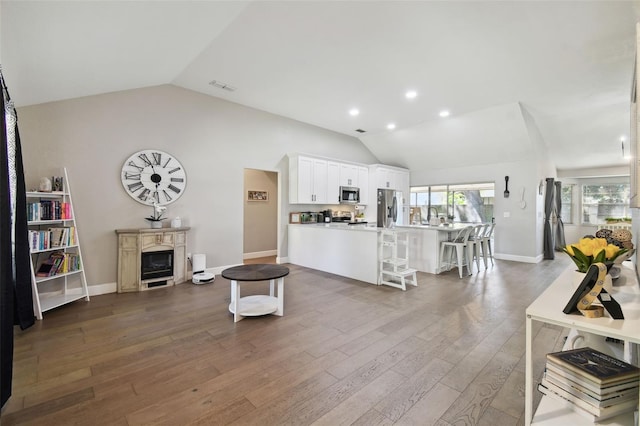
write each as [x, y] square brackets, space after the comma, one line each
[391, 126]
[354, 112]
[444, 113]
[411, 94]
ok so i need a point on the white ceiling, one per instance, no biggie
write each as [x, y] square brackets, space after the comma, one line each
[568, 63]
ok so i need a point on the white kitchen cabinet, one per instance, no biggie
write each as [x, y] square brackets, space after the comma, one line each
[356, 176]
[348, 175]
[363, 184]
[307, 180]
[388, 177]
[333, 182]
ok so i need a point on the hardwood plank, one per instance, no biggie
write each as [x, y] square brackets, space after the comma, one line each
[428, 410]
[356, 406]
[345, 352]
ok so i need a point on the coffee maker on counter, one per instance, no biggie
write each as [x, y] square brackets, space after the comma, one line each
[325, 216]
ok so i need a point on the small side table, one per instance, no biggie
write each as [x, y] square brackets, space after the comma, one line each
[256, 305]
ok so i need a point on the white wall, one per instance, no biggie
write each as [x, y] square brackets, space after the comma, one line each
[514, 235]
[482, 146]
[215, 140]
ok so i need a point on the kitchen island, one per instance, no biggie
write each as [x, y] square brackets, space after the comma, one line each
[346, 250]
[353, 250]
[424, 244]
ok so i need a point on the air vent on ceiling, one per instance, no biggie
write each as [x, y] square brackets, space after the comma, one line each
[360, 131]
[221, 85]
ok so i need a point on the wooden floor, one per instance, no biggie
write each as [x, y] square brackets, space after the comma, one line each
[448, 352]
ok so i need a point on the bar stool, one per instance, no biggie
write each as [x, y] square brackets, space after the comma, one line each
[475, 245]
[486, 243]
[458, 244]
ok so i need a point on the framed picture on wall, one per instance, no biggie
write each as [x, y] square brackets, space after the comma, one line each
[257, 196]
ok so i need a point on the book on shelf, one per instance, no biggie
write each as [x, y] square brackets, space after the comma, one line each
[593, 400]
[594, 366]
[59, 263]
[561, 375]
[595, 414]
[47, 209]
[44, 270]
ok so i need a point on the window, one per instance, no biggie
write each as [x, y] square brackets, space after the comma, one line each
[566, 196]
[602, 201]
[471, 202]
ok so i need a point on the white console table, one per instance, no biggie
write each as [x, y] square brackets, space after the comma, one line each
[548, 308]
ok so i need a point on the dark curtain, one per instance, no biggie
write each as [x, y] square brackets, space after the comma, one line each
[548, 222]
[559, 240]
[16, 302]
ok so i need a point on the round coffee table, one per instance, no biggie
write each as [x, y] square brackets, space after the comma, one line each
[256, 305]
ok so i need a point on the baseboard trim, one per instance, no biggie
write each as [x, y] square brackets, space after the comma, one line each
[106, 288]
[524, 259]
[257, 254]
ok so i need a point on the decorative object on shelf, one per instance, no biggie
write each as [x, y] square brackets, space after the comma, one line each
[592, 250]
[587, 292]
[153, 177]
[156, 218]
[57, 183]
[45, 185]
[257, 196]
[176, 222]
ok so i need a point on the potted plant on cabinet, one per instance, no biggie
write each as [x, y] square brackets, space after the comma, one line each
[156, 218]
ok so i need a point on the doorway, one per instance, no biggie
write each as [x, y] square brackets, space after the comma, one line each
[260, 236]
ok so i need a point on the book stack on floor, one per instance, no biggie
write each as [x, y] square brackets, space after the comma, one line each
[592, 383]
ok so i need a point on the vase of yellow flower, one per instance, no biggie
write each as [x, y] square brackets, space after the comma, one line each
[589, 251]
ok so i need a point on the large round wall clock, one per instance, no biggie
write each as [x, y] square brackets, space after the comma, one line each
[153, 177]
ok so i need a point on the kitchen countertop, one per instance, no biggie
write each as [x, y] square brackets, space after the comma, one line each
[369, 227]
[340, 225]
[447, 228]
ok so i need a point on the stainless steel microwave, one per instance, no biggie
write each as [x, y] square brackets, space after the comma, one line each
[349, 195]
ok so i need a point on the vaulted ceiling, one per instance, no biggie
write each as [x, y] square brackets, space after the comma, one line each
[569, 64]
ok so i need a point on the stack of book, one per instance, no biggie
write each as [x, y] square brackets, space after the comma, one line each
[592, 383]
[59, 263]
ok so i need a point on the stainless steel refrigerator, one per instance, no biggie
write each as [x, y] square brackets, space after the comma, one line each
[387, 208]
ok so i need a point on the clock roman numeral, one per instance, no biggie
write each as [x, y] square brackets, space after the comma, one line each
[156, 196]
[132, 164]
[131, 176]
[157, 158]
[134, 186]
[177, 179]
[174, 170]
[143, 195]
[174, 189]
[165, 164]
[144, 158]
[166, 195]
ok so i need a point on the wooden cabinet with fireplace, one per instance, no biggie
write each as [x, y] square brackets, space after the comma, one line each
[151, 258]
